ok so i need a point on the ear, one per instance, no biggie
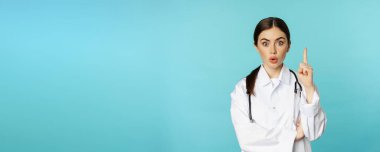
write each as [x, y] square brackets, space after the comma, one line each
[288, 48]
[255, 47]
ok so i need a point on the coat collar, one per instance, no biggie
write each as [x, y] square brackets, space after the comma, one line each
[263, 78]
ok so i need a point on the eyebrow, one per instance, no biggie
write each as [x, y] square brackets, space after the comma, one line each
[268, 40]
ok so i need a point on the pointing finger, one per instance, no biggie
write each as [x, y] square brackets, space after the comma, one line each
[305, 55]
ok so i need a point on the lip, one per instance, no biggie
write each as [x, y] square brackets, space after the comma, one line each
[273, 59]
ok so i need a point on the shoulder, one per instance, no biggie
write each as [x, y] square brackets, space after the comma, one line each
[240, 87]
[241, 83]
[239, 96]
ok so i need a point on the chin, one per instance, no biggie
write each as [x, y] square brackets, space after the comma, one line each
[274, 66]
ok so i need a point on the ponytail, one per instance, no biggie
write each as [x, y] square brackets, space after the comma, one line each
[251, 81]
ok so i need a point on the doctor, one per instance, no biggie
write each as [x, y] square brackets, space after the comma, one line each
[270, 109]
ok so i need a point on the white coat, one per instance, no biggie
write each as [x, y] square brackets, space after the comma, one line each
[275, 109]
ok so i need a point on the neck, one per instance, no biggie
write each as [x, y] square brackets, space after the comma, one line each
[273, 72]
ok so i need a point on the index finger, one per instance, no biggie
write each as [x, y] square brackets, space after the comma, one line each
[305, 55]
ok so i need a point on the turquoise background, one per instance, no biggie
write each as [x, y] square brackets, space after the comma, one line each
[156, 75]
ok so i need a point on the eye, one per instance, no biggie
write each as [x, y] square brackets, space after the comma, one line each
[280, 43]
[265, 43]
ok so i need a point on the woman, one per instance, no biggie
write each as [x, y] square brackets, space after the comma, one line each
[271, 110]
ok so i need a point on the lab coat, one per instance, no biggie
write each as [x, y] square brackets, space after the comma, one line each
[275, 110]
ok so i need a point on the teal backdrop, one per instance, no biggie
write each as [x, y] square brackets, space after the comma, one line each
[97, 76]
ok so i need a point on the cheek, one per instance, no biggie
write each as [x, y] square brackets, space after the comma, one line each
[283, 51]
[262, 51]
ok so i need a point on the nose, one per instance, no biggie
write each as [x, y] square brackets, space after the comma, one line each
[273, 49]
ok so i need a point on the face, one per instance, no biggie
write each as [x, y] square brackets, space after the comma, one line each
[272, 45]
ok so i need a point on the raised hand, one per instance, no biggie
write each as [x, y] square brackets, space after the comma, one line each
[305, 71]
[305, 74]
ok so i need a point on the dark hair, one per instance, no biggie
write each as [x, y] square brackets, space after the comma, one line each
[268, 23]
[263, 25]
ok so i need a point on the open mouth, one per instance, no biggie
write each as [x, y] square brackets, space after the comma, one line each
[273, 60]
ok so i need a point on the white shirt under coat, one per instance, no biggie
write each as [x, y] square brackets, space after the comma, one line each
[275, 109]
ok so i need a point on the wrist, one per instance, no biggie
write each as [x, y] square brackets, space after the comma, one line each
[309, 88]
[309, 93]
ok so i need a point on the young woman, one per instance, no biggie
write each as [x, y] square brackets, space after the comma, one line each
[272, 109]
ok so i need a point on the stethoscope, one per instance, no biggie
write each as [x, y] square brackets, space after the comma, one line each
[295, 93]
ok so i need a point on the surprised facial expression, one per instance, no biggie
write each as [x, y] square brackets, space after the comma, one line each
[272, 44]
